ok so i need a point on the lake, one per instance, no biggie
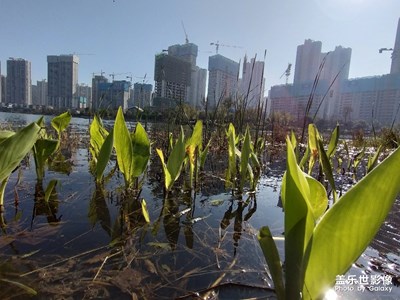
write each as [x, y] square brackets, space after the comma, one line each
[90, 241]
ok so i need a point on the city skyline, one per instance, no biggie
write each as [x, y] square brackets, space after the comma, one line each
[122, 36]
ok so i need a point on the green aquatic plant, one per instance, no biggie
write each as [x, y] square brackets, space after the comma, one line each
[13, 148]
[100, 147]
[172, 169]
[243, 164]
[45, 145]
[132, 149]
[312, 234]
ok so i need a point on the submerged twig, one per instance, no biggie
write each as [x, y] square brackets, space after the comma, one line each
[62, 261]
[104, 262]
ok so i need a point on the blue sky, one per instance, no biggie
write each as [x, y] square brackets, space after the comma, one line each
[125, 35]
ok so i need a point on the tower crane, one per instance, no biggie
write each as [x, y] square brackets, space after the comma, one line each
[112, 75]
[385, 49]
[287, 72]
[217, 45]
[184, 30]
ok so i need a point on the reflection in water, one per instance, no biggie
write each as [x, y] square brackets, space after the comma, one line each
[238, 215]
[98, 209]
[45, 208]
[171, 221]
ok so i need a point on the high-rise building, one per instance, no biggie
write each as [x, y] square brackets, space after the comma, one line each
[113, 95]
[187, 52]
[84, 94]
[395, 68]
[142, 94]
[223, 79]
[372, 99]
[97, 96]
[252, 82]
[1, 93]
[39, 93]
[19, 81]
[194, 85]
[334, 73]
[172, 77]
[308, 59]
[324, 98]
[62, 76]
[198, 87]
[3, 88]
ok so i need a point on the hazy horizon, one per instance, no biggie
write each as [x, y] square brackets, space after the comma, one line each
[124, 36]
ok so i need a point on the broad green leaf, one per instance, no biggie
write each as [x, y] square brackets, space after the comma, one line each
[5, 134]
[42, 150]
[349, 226]
[176, 157]
[299, 222]
[271, 255]
[197, 135]
[145, 211]
[167, 176]
[97, 136]
[50, 188]
[123, 147]
[104, 155]
[317, 199]
[140, 151]
[61, 122]
[333, 142]
[14, 148]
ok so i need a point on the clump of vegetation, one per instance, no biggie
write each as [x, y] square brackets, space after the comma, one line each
[312, 232]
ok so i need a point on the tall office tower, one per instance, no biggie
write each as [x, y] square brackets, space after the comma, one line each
[0, 86]
[113, 95]
[19, 81]
[97, 96]
[307, 62]
[223, 79]
[172, 76]
[252, 82]
[334, 73]
[39, 93]
[84, 94]
[142, 94]
[62, 76]
[197, 87]
[395, 68]
[3, 88]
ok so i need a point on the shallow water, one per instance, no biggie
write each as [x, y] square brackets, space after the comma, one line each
[192, 242]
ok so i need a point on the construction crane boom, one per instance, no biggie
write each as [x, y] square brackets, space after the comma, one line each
[385, 49]
[112, 75]
[217, 45]
[287, 72]
[184, 30]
